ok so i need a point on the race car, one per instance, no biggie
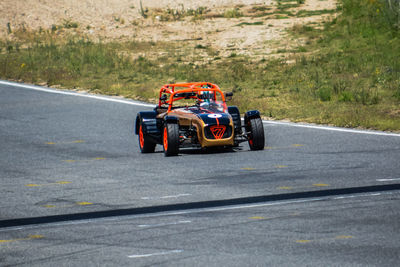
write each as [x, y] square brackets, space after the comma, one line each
[196, 115]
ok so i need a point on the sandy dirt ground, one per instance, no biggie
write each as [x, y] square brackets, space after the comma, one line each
[122, 20]
[45, 13]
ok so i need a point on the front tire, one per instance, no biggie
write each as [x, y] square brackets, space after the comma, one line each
[171, 139]
[145, 145]
[256, 136]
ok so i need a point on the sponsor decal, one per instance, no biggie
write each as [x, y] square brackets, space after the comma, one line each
[214, 116]
[218, 131]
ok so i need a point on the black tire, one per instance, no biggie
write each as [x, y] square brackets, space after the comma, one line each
[256, 136]
[145, 145]
[171, 139]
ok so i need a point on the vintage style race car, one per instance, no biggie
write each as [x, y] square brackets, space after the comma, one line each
[196, 115]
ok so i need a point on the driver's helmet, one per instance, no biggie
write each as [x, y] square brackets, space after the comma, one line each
[206, 96]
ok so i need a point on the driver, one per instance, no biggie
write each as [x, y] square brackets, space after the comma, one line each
[205, 97]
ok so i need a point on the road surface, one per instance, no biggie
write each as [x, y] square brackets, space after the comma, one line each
[76, 191]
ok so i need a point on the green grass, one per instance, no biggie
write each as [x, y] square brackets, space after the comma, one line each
[286, 6]
[350, 76]
[233, 13]
[250, 23]
[308, 13]
[68, 24]
[260, 8]
[174, 14]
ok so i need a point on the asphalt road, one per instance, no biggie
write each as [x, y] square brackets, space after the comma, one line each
[75, 190]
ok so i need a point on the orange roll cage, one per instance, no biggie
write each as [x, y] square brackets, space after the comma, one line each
[173, 89]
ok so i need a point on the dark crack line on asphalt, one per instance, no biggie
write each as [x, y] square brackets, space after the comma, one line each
[195, 205]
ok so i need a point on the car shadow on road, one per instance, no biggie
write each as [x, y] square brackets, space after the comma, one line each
[210, 150]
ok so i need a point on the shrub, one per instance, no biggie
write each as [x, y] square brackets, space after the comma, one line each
[68, 24]
[233, 13]
[324, 93]
[346, 96]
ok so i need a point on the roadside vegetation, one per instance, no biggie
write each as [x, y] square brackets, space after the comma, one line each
[345, 73]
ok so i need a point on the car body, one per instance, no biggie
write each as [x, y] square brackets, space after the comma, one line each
[196, 115]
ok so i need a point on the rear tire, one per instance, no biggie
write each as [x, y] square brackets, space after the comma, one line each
[256, 136]
[171, 139]
[145, 145]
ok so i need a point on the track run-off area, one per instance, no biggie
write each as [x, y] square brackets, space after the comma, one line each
[75, 190]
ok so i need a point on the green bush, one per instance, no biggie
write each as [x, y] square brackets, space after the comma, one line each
[346, 96]
[68, 24]
[233, 13]
[324, 93]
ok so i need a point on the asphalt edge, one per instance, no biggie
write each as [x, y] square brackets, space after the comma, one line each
[138, 103]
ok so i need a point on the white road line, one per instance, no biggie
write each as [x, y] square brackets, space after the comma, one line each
[388, 180]
[363, 195]
[155, 254]
[162, 224]
[12, 229]
[345, 197]
[135, 103]
[337, 129]
[175, 196]
[164, 197]
[70, 93]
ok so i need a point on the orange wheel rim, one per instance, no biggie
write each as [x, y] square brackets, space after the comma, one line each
[251, 137]
[165, 139]
[141, 137]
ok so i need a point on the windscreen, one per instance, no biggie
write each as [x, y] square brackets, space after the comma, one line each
[211, 100]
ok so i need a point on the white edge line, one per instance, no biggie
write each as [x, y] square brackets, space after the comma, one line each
[162, 224]
[70, 93]
[164, 197]
[337, 129]
[387, 180]
[176, 196]
[156, 254]
[135, 103]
